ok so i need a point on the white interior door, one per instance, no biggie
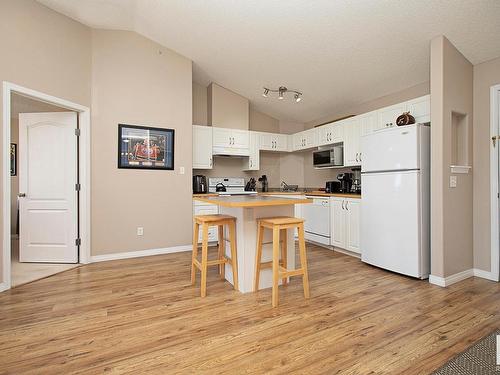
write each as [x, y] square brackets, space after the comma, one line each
[47, 178]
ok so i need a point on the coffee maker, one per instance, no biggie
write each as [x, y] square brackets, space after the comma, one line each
[200, 184]
[356, 181]
[345, 182]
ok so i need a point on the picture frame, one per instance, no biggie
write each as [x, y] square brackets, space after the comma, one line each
[145, 147]
[13, 159]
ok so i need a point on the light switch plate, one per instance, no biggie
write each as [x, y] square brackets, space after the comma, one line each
[140, 231]
[182, 170]
[453, 181]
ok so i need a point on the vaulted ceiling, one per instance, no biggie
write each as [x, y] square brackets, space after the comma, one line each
[338, 53]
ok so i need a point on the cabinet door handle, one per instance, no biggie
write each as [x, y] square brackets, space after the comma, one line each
[343, 205]
[347, 205]
[210, 161]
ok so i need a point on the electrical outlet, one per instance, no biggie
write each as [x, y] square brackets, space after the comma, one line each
[182, 170]
[453, 181]
[140, 231]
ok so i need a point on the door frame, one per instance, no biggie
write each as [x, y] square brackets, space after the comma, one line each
[84, 171]
[494, 183]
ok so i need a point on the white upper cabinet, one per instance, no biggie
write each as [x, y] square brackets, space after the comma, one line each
[368, 123]
[230, 141]
[330, 133]
[420, 108]
[387, 116]
[305, 139]
[274, 142]
[253, 162]
[352, 142]
[202, 147]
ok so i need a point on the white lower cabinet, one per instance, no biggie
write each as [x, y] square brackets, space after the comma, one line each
[202, 208]
[345, 223]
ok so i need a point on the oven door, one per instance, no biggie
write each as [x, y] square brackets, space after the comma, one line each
[322, 158]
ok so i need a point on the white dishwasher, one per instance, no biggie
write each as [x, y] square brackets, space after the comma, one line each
[317, 220]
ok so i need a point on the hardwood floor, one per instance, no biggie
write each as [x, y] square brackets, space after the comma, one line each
[142, 316]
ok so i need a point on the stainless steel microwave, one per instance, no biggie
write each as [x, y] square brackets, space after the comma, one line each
[330, 157]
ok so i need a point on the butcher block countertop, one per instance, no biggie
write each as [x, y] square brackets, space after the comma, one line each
[248, 201]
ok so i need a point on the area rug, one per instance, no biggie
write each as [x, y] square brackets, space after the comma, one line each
[478, 359]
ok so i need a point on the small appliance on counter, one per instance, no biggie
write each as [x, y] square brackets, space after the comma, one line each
[220, 188]
[332, 187]
[263, 181]
[356, 181]
[251, 184]
[345, 182]
[200, 184]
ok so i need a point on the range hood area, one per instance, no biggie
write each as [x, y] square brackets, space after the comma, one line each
[229, 115]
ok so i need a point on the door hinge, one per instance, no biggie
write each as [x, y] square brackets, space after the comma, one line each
[78, 241]
[78, 187]
[77, 132]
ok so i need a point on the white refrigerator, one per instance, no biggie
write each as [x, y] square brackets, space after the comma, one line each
[395, 214]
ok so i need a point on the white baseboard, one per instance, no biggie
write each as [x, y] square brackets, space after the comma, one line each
[452, 279]
[3, 286]
[140, 253]
[484, 274]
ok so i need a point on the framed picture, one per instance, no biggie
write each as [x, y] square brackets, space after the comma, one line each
[13, 159]
[141, 147]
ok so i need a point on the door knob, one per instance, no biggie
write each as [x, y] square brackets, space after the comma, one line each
[21, 195]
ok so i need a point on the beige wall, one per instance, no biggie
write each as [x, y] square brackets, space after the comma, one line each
[451, 208]
[291, 164]
[261, 122]
[200, 116]
[486, 75]
[27, 34]
[384, 101]
[133, 83]
[226, 109]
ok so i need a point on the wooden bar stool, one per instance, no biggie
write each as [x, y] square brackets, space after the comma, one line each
[207, 221]
[280, 271]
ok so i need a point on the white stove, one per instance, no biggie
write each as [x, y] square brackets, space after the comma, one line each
[233, 185]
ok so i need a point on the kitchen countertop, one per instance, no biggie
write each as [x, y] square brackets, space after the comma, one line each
[285, 193]
[248, 201]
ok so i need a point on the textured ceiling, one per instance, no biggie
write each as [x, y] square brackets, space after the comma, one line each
[338, 53]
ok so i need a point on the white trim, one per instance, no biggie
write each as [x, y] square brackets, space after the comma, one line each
[494, 177]
[452, 279]
[484, 274]
[141, 253]
[84, 171]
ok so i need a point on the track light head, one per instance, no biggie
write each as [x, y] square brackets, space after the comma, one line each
[297, 97]
[266, 91]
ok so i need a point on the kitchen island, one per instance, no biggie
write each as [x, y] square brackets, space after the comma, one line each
[247, 209]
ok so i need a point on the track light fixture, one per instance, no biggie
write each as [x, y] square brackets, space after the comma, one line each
[281, 93]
